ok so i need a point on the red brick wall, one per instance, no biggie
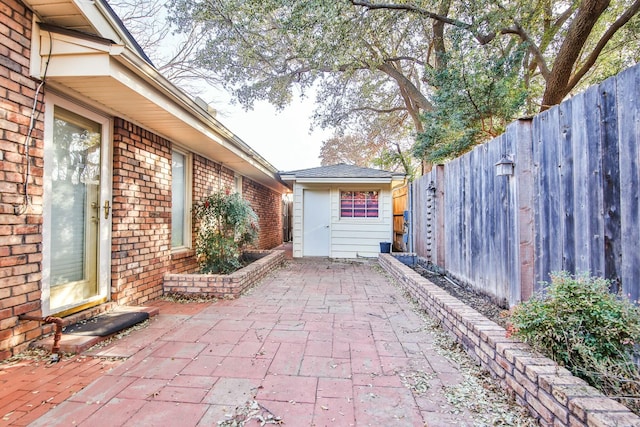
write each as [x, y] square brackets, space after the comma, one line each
[141, 233]
[141, 240]
[209, 177]
[268, 205]
[21, 234]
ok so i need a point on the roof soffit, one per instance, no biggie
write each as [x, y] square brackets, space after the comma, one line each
[124, 84]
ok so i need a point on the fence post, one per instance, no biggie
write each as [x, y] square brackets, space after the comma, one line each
[439, 235]
[525, 189]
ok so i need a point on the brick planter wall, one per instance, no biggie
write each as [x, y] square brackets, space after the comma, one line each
[548, 391]
[224, 285]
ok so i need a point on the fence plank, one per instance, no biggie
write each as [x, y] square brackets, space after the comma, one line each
[420, 215]
[522, 281]
[566, 170]
[439, 219]
[579, 148]
[595, 208]
[628, 85]
[475, 214]
[611, 184]
[505, 215]
[549, 247]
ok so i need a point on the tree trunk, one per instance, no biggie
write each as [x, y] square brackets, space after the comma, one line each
[414, 100]
[439, 48]
[557, 83]
[417, 97]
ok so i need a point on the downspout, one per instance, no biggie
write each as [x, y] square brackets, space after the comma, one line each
[55, 351]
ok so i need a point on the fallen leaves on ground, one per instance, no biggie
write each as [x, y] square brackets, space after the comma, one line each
[251, 410]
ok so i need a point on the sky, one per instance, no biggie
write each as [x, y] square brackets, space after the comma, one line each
[283, 138]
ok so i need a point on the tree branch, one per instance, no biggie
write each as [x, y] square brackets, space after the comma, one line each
[412, 91]
[593, 56]
[412, 110]
[408, 7]
[577, 35]
[405, 58]
[378, 110]
[535, 51]
[481, 38]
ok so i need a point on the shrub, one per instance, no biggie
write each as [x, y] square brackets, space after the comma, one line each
[578, 323]
[226, 223]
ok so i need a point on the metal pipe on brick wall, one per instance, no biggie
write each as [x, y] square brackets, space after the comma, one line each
[55, 351]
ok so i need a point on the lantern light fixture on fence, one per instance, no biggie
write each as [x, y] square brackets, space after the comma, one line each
[505, 166]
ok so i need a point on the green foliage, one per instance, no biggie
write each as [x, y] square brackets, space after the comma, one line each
[476, 95]
[226, 223]
[372, 62]
[354, 62]
[578, 323]
[377, 149]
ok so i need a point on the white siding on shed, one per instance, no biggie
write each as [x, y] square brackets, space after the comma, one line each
[349, 237]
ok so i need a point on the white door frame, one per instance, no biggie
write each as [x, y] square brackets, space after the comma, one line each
[104, 226]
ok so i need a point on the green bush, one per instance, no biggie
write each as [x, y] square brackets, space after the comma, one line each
[226, 223]
[578, 323]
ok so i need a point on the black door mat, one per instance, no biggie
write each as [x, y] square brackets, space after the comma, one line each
[106, 324]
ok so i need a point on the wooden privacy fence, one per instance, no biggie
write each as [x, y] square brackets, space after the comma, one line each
[572, 202]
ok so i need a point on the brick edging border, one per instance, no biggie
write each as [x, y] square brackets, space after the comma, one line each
[550, 392]
[224, 285]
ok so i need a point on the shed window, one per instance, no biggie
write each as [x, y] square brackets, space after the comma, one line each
[359, 204]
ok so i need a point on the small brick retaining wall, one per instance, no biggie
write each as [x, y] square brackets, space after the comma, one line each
[548, 391]
[224, 285]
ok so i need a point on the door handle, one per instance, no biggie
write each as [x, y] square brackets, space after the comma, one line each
[106, 209]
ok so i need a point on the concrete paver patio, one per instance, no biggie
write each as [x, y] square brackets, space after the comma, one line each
[317, 343]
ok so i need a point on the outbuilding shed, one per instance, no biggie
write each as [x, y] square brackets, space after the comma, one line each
[341, 211]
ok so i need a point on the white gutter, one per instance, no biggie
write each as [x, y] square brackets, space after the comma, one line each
[239, 147]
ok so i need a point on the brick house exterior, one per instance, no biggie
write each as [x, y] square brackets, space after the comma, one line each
[138, 207]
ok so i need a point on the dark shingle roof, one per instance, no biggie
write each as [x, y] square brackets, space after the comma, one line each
[341, 171]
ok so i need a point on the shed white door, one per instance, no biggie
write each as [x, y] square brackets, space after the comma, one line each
[316, 216]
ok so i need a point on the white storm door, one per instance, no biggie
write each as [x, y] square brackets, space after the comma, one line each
[77, 225]
[316, 218]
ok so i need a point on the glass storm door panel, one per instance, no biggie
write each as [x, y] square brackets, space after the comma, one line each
[75, 210]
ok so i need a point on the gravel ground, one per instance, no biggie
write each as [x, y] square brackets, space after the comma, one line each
[482, 303]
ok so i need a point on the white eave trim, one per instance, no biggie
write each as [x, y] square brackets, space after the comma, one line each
[337, 180]
[229, 139]
[77, 56]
